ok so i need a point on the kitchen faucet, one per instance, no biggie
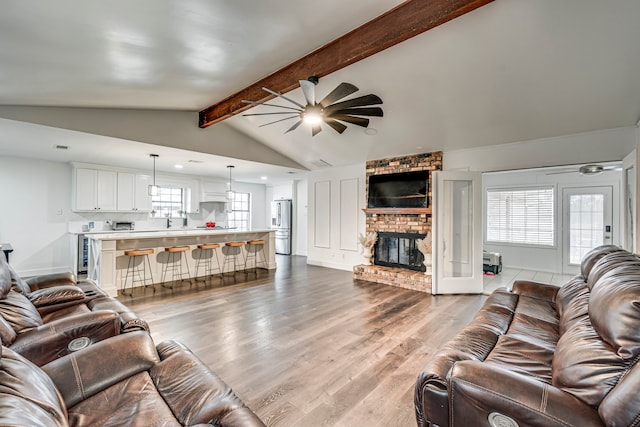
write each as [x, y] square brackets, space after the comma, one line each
[168, 222]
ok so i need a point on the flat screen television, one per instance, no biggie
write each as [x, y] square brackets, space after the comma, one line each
[399, 190]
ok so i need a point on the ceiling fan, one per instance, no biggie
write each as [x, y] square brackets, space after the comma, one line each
[328, 110]
[589, 170]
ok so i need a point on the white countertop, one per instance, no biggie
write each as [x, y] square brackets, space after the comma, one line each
[169, 232]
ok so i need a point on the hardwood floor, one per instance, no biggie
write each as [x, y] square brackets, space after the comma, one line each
[309, 346]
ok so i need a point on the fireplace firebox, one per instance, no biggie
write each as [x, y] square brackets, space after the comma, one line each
[399, 250]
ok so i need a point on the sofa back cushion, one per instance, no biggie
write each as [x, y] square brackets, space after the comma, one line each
[592, 257]
[19, 312]
[609, 262]
[5, 276]
[28, 397]
[599, 325]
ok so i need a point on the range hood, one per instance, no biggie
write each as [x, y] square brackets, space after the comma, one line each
[214, 197]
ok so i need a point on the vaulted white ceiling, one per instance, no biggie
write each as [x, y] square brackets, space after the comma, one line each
[513, 70]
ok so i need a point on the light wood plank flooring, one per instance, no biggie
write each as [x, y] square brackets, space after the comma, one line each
[309, 346]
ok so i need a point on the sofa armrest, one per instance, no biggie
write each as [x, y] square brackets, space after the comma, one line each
[535, 290]
[51, 340]
[130, 320]
[478, 389]
[56, 295]
[86, 372]
[48, 280]
[181, 375]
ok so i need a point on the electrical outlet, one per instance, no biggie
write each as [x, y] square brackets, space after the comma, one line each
[59, 212]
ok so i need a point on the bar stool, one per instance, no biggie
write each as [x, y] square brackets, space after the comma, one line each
[137, 266]
[210, 250]
[233, 250]
[255, 247]
[174, 265]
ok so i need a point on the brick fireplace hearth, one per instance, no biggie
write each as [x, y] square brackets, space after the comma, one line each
[399, 221]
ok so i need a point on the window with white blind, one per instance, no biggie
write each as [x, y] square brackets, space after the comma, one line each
[240, 215]
[521, 216]
[168, 202]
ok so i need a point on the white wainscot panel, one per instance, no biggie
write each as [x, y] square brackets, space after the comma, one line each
[349, 214]
[322, 214]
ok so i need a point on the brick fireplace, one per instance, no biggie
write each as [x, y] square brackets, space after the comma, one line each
[400, 221]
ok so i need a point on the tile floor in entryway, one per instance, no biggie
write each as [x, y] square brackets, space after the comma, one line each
[508, 275]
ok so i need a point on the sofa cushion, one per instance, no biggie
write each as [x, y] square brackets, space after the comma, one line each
[609, 262]
[584, 365]
[592, 257]
[19, 312]
[522, 356]
[5, 276]
[17, 283]
[116, 405]
[7, 333]
[614, 309]
[21, 381]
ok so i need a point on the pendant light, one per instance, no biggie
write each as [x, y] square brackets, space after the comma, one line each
[154, 189]
[229, 192]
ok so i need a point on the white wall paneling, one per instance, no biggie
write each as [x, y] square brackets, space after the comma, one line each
[322, 214]
[349, 214]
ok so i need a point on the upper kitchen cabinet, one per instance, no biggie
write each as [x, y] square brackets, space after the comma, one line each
[133, 192]
[95, 190]
[214, 191]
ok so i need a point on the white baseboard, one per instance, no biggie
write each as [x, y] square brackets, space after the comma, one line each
[42, 271]
[334, 265]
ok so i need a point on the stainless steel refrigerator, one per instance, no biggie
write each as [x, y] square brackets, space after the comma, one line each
[281, 211]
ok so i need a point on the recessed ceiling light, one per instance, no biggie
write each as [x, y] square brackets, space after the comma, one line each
[178, 166]
[264, 178]
[195, 161]
[371, 131]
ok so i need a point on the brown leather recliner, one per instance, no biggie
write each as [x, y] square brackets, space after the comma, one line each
[122, 381]
[50, 317]
[542, 355]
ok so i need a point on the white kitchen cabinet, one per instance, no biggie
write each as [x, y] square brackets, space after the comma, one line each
[126, 191]
[192, 196]
[142, 199]
[95, 190]
[133, 192]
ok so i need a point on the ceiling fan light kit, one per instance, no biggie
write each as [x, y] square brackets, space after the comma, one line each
[329, 111]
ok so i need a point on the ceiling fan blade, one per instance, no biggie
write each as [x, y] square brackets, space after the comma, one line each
[268, 114]
[269, 105]
[342, 90]
[360, 101]
[367, 111]
[295, 126]
[351, 119]
[315, 129]
[282, 96]
[336, 125]
[281, 120]
[309, 90]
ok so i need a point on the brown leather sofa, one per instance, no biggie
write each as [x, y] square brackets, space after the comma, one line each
[541, 355]
[49, 316]
[122, 381]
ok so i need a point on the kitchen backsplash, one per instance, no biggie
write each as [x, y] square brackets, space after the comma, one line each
[209, 212]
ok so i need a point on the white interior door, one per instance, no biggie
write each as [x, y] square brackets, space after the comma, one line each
[457, 232]
[587, 223]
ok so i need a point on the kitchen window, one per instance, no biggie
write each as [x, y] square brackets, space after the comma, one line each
[521, 216]
[240, 215]
[168, 202]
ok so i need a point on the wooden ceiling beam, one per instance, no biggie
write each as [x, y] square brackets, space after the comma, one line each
[407, 20]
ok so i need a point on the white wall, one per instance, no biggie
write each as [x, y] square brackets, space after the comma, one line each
[597, 146]
[336, 197]
[36, 215]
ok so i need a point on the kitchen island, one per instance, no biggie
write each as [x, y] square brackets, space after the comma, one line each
[107, 262]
